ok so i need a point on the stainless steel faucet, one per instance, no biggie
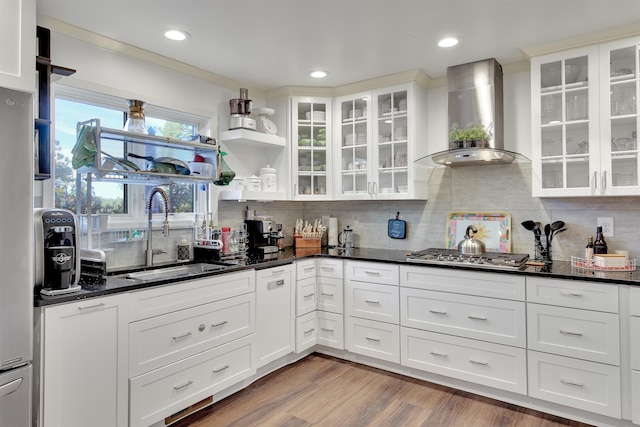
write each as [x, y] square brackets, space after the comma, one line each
[165, 225]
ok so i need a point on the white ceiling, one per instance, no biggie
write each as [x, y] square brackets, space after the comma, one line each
[269, 44]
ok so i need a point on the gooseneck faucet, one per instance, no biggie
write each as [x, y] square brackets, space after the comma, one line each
[165, 225]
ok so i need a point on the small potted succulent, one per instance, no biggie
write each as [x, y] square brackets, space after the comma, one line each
[472, 136]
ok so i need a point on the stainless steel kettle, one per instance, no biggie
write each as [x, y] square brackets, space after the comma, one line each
[470, 245]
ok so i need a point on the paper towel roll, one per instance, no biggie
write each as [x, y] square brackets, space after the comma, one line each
[333, 231]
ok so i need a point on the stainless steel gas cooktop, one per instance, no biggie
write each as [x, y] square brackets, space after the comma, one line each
[490, 260]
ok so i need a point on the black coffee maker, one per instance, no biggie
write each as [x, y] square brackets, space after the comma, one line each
[57, 257]
[261, 238]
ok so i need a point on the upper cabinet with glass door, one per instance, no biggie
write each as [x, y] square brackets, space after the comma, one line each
[619, 116]
[564, 123]
[378, 133]
[311, 148]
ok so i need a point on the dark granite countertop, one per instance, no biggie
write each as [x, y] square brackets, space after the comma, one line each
[559, 270]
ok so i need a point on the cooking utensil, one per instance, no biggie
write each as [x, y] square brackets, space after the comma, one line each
[556, 232]
[556, 225]
[470, 245]
[124, 164]
[547, 233]
[397, 228]
[529, 224]
[168, 165]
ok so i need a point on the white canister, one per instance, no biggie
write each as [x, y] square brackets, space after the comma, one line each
[268, 179]
[252, 183]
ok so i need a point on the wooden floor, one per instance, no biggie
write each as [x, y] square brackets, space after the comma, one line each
[324, 391]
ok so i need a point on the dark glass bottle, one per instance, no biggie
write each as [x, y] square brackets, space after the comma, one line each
[588, 251]
[599, 246]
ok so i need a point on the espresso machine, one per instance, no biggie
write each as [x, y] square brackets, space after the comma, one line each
[262, 238]
[57, 253]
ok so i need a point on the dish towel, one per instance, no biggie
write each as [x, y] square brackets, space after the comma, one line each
[84, 152]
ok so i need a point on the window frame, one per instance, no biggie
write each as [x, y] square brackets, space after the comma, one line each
[134, 195]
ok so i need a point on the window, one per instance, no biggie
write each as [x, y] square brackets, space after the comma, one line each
[73, 106]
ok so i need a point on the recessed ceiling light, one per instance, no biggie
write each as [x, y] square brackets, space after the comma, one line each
[449, 41]
[318, 74]
[177, 35]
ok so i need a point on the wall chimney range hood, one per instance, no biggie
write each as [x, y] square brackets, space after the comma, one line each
[475, 110]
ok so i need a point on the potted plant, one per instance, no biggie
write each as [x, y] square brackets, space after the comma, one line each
[472, 136]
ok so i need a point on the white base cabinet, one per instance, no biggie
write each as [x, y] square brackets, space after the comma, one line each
[634, 337]
[82, 363]
[275, 313]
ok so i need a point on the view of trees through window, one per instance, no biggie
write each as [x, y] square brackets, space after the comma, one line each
[107, 197]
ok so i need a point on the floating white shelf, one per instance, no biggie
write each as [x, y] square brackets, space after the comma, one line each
[252, 138]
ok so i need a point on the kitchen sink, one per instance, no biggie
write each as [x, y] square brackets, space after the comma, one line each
[174, 272]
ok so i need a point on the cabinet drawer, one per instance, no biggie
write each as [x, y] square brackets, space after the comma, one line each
[635, 342]
[165, 339]
[306, 332]
[634, 300]
[487, 319]
[330, 268]
[306, 269]
[165, 299]
[330, 329]
[583, 334]
[589, 386]
[371, 301]
[386, 274]
[494, 365]
[162, 392]
[485, 284]
[305, 296]
[374, 339]
[573, 293]
[330, 294]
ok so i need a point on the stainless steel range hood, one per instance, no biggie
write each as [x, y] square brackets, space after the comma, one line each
[475, 101]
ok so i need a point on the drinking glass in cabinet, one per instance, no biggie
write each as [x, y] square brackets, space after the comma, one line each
[551, 141]
[622, 63]
[551, 108]
[577, 105]
[576, 70]
[623, 99]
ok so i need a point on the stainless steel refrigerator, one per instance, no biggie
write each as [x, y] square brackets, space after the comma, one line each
[16, 257]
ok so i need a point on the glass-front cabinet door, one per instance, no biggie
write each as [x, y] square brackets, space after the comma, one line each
[565, 124]
[311, 148]
[620, 118]
[392, 133]
[353, 149]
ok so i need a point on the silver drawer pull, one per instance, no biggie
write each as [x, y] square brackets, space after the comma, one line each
[573, 383]
[277, 271]
[476, 317]
[182, 336]
[326, 294]
[435, 353]
[437, 312]
[372, 273]
[91, 307]
[576, 334]
[215, 325]
[477, 362]
[371, 301]
[327, 268]
[187, 384]
[309, 268]
[372, 339]
[309, 295]
[215, 371]
[309, 331]
[571, 294]
[276, 283]
[327, 329]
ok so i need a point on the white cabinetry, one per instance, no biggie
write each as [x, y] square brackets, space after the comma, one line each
[372, 310]
[574, 344]
[188, 341]
[275, 315]
[634, 303]
[82, 363]
[18, 35]
[311, 145]
[450, 326]
[377, 144]
[585, 121]
[319, 281]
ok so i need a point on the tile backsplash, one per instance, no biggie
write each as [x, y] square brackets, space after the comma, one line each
[495, 188]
